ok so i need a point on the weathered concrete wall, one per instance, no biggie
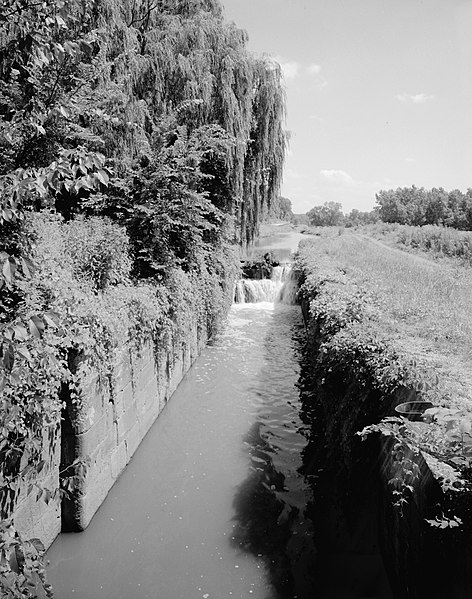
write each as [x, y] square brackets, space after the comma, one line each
[110, 423]
[103, 430]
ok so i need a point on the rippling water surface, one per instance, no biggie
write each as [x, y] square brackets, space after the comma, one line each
[212, 504]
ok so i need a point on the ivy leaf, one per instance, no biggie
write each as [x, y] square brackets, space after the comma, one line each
[36, 327]
[27, 266]
[15, 376]
[24, 351]
[52, 319]
[9, 269]
[9, 357]
[103, 177]
[21, 334]
[7, 214]
[38, 545]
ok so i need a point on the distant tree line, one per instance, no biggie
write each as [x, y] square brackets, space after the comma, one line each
[330, 214]
[418, 206]
[415, 206]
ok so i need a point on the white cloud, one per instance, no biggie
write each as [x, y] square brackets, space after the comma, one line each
[315, 117]
[421, 98]
[410, 159]
[415, 98]
[290, 68]
[337, 176]
[313, 69]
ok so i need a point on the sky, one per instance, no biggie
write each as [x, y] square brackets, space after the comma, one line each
[379, 93]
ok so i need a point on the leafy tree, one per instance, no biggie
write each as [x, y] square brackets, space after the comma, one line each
[416, 206]
[281, 209]
[405, 205]
[327, 215]
[437, 209]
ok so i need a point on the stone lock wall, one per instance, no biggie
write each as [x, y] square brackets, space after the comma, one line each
[111, 423]
[103, 432]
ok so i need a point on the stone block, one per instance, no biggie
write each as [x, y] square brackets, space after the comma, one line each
[147, 392]
[140, 359]
[87, 442]
[36, 519]
[126, 422]
[94, 400]
[148, 417]
[123, 400]
[118, 460]
[133, 438]
[122, 372]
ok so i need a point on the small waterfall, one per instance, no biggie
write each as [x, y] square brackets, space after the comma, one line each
[282, 287]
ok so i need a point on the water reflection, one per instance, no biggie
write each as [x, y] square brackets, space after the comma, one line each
[282, 245]
[270, 504]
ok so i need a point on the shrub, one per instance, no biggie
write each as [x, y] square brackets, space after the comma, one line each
[98, 249]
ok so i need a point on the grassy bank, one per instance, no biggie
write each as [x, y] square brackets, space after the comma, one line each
[416, 300]
[396, 321]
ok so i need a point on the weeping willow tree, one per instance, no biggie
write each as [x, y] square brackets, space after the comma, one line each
[177, 63]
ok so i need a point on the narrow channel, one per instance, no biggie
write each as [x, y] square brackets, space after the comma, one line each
[212, 504]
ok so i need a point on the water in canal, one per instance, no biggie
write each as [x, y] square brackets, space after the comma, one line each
[212, 504]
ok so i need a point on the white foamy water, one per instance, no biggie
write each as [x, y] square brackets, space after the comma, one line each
[282, 287]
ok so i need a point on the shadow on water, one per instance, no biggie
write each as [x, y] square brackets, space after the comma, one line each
[344, 507]
[270, 504]
[263, 520]
[314, 523]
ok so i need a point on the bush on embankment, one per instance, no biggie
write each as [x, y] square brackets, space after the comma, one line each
[356, 369]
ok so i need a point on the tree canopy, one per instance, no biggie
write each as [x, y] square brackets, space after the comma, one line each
[328, 214]
[418, 206]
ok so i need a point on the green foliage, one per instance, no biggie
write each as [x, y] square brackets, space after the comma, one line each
[99, 251]
[445, 434]
[356, 218]
[22, 570]
[417, 206]
[328, 215]
[170, 218]
[437, 240]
